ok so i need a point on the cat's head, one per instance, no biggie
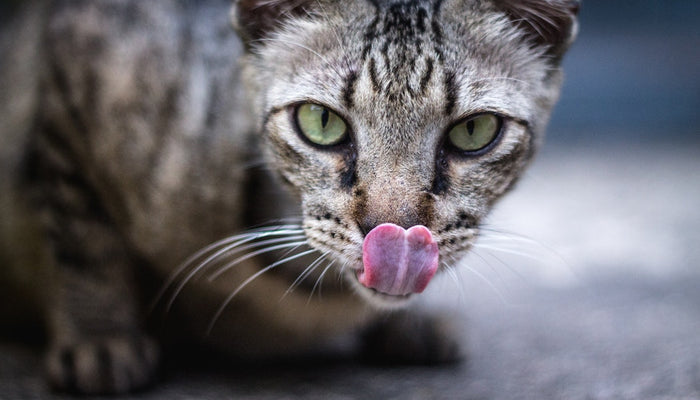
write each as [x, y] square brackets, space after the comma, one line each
[401, 114]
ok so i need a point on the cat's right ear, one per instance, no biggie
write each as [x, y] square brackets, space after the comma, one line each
[549, 23]
[256, 19]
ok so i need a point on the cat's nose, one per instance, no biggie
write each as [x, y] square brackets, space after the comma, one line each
[367, 224]
[371, 220]
[389, 204]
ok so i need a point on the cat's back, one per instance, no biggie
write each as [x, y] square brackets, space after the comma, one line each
[142, 98]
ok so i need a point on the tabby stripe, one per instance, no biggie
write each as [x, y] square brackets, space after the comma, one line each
[385, 55]
[49, 151]
[288, 152]
[62, 85]
[373, 75]
[440, 180]
[426, 75]
[450, 92]
[81, 254]
[437, 32]
[349, 89]
[422, 17]
[81, 201]
[67, 360]
[435, 23]
[270, 114]
[348, 177]
[467, 220]
[370, 33]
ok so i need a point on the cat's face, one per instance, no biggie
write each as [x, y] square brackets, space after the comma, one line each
[410, 113]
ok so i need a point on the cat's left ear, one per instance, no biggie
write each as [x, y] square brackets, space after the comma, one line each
[255, 19]
[550, 23]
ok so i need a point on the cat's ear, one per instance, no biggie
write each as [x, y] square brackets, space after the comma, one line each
[550, 23]
[255, 19]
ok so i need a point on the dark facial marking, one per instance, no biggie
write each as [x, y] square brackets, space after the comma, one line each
[450, 92]
[440, 181]
[373, 75]
[349, 89]
[427, 75]
[348, 176]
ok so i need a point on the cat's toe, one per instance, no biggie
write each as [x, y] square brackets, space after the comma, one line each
[103, 366]
[413, 339]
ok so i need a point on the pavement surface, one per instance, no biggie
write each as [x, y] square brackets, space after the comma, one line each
[597, 296]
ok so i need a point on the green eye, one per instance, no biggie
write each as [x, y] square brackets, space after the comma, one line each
[320, 125]
[475, 133]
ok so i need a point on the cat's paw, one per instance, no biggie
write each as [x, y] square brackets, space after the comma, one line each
[405, 338]
[109, 365]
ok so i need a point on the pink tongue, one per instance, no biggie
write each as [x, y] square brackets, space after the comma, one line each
[398, 261]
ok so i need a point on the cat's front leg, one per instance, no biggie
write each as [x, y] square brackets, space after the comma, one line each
[97, 343]
[413, 338]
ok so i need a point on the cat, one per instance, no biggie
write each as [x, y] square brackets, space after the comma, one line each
[363, 141]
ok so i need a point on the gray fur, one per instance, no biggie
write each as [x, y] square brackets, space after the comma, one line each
[147, 130]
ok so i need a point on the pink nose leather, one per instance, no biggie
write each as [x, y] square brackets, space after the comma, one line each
[398, 261]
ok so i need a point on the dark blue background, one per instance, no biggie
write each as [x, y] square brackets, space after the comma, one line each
[633, 74]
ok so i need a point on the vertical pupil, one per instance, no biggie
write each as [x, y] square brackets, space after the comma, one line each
[470, 127]
[324, 118]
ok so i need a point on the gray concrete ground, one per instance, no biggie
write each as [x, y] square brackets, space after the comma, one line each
[597, 297]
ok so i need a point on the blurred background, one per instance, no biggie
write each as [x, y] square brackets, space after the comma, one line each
[633, 74]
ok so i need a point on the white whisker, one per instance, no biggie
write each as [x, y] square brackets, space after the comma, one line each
[227, 250]
[507, 251]
[318, 281]
[489, 265]
[486, 280]
[510, 237]
[477, 252]
[245, 283]
[500, 78]
[228, 244]
[341, 272]
[240, 259]
[234, 249]
[305, 273]
[244, 237]
[452, 272]
[519, 245]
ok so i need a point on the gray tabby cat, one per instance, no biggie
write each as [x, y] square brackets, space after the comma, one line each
[366, 139]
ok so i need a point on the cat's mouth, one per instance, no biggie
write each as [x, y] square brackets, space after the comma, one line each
[397, 262]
